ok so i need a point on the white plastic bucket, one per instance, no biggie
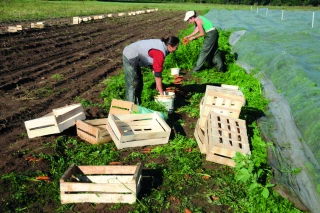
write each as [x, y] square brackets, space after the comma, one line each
[175, 71]
[166, 100]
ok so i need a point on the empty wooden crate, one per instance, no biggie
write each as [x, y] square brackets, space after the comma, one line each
[132, 130]
[226, 136]
[100, 184]
[56, 121]
[93, 131]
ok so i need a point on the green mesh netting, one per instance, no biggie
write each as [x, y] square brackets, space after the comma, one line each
[286, 51]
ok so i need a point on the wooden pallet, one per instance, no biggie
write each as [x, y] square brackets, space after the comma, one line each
[100, 184]
[133, 130]
[221, 100]
[122, 107]
[200, 135]
[56, 121]
[93, 131]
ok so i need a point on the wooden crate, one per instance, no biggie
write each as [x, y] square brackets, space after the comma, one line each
[12, 29]
[221, 100]
[101, 184]
[122, 107]
[56, 121]
[76, 20]
[200, 135]
[226, 136]
[132, 130]
[227, 132]
[93, 131]
[19, 27]
[38, 25]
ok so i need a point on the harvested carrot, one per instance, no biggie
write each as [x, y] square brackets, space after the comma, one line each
[187, 211]
[188, 176]
[46, 178]
[115, 163]
[214, 197]
[206, 177]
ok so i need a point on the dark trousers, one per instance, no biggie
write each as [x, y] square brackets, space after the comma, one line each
[134, 80]
[210, 52]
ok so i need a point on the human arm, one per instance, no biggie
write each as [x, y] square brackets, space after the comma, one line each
[198, 29]
[157, 67]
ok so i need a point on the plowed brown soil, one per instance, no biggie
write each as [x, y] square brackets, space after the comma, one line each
[43, 69]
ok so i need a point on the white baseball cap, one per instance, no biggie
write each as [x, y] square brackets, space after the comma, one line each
[189, 14]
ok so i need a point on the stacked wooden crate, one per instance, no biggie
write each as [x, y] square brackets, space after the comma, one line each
[221, 107]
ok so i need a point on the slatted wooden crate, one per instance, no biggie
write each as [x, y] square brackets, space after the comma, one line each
[226, 136]
[122, 107]
[56, 121]
[221, 100]
[200, 135]
[12, 29]
[38, 25]
[133, 130]
[93, 131]
[101, 184]
[19, 27]
[76, 20]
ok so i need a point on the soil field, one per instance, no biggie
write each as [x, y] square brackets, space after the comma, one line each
[43, 69]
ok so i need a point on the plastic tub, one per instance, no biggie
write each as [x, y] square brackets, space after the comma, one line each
[175, 71]
[167, 100]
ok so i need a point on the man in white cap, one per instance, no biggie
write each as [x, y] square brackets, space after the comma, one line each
[210, 50]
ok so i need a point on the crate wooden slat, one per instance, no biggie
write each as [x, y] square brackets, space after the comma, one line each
[122, 107]
[132, 130]
[221, 155]
[221, 100]
[56, 121]
[100, 184]
[200, 135]
[226, 86]
[93, 131]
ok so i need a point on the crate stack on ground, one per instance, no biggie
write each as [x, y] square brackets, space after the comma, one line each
[219, 132]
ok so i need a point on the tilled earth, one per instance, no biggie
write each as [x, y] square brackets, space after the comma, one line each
[43, 69]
